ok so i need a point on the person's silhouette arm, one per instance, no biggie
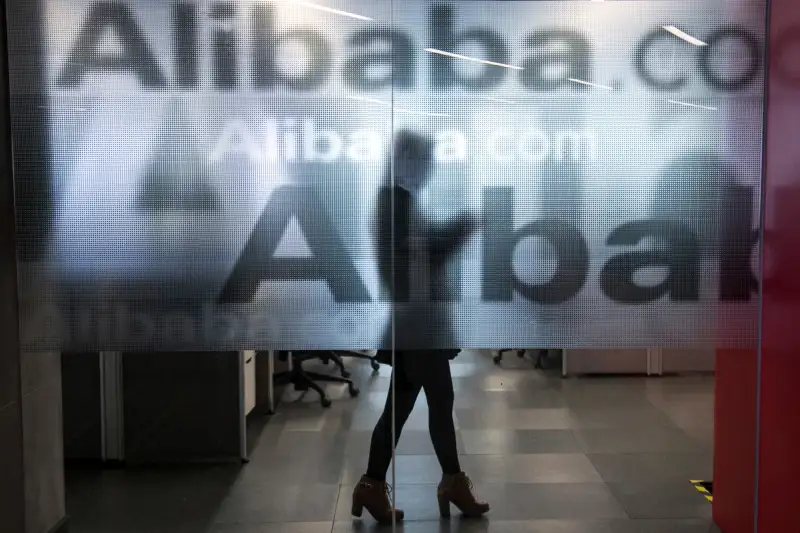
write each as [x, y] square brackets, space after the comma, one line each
[448, 238]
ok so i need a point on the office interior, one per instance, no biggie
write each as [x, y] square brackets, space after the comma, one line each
[614, 451]
[604, 385]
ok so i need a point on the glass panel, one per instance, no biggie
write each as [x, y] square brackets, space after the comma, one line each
[592, 171]
[611, 158]
[196, 180]
[210, 173]
[228, 202]
[569, 175]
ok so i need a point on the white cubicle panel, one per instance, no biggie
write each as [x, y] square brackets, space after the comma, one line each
[654, 361]
[249, 369]
[674, 361]
[612, 361]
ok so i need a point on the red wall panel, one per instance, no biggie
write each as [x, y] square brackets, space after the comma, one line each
[777, 433]
[735, 440]
[779, 426]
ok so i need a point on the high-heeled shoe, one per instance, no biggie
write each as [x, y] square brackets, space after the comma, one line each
[374, 496]
[457, 490]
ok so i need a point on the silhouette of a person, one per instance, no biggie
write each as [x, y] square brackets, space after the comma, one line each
[408, 246]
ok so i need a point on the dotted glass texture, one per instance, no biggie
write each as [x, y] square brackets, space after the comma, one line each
[356, 174]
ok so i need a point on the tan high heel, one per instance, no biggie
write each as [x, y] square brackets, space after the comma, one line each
[457, 490]
[374, 497]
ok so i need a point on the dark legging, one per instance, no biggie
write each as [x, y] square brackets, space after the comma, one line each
[414, 371]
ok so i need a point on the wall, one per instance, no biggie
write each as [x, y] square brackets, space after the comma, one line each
[776, 439]
[779, 432]
[42, 438]
[31, 462]
[12, 505]
[80, 382]
[735, 440]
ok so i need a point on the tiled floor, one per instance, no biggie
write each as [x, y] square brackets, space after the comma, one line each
[588, 455]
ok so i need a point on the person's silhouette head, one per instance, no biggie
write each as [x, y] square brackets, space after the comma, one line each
[411, 160]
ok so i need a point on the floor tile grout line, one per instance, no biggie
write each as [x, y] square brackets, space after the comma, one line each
[336, 506]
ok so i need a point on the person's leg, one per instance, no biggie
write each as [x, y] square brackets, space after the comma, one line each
[432, 369]
[405, 395]
[372, 492]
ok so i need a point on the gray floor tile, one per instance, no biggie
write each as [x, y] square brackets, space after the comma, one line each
[489, 525]
[464, 368]
[304, 444]
[177, 499]
[410, 469]
[531, 468]
[365, 420]
[653, 467]
[622, 418]
[690, 414]
[372, 400]
[375, 384]
[453, 525]
[602, 393]
[307, 417]
[500, 418]
[412, 442]
[289, 527]
[704, 437]
[514, 441]
[550, 501]
[256, 504]
[502, 381]
[511, 399]
[509, 501]
[118, 526]
[310, 468]
[600, 526]
[541, 398]
[661, 500]
[637, 440]
[538, 468]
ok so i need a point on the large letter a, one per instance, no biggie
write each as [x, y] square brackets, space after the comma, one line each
[329, 260]
[136, 57]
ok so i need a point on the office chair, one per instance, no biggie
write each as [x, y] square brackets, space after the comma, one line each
[305, 379]
[540, 358]
[336, 357]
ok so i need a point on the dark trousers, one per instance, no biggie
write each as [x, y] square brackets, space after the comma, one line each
[427, 370]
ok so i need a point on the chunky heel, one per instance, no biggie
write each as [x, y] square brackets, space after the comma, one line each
[444, 507]
[373, 496]
[457, 490]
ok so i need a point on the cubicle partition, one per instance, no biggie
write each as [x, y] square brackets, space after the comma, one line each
[183, 406]
[82, 406]
[638, 361]
[140, 407]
